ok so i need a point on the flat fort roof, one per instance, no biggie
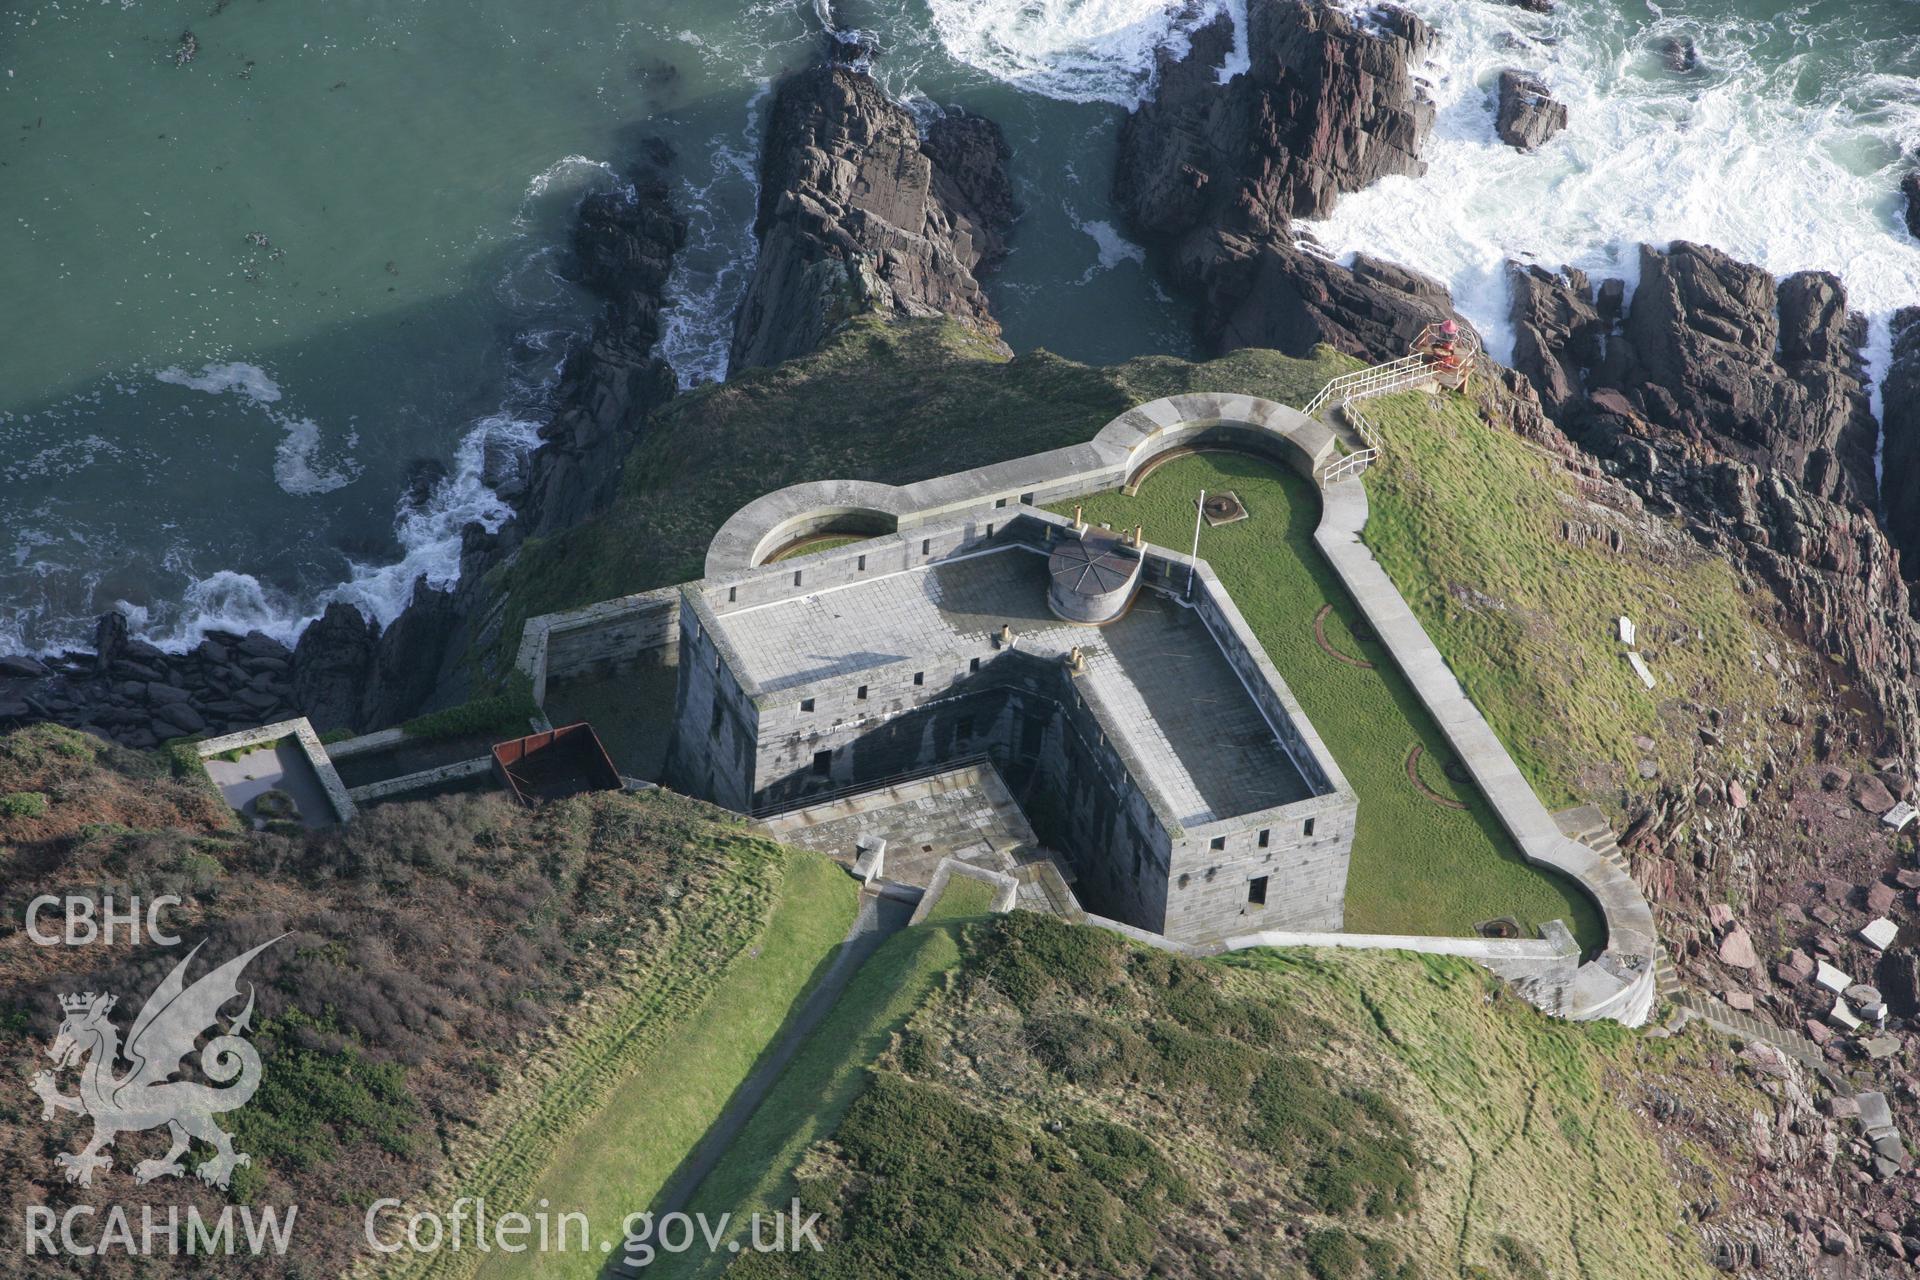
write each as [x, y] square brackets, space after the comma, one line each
[1173, 700]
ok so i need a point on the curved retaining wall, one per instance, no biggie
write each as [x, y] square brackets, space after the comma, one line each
[1618, 984]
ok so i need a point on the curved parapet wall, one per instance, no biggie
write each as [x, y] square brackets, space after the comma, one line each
[1114, 458]
[1619, 983]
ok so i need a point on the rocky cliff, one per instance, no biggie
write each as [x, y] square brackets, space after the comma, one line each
[1213, 175]
[1900, 419]
[858, 215]
[345, 672]
[1738, 404]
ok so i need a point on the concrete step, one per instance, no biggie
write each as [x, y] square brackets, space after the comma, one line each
[1734, 1023]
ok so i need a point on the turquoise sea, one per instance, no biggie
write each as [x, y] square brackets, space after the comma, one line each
[264, 312]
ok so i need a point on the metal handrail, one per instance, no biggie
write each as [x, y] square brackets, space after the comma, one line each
[1376, 380]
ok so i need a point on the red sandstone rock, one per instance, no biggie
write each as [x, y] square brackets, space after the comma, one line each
[1736, 949]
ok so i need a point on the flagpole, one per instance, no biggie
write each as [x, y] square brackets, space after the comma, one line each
[1199, 509]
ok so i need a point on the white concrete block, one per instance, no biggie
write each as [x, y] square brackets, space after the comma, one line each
[1841, 1016]
[1880, 933]
[1832, 979]
[1626, 631]
[1639, 665]
[1900, 815]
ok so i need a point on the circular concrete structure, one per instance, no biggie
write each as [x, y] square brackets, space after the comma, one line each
[1092, 577]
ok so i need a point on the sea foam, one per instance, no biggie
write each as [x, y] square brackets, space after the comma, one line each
[1737, 154]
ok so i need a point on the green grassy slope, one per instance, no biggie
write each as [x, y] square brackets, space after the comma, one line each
[1470, 523]
[1419, 866]
[812, 1096]
[1071, 1104]
[620, 1154]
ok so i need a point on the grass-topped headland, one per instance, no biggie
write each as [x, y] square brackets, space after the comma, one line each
[1519, 571]
[894, 403]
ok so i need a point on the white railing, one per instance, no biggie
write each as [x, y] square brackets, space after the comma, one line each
[1377, 380]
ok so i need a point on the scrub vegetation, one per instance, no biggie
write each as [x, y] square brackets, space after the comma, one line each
[462, 984]
[1066, 1102]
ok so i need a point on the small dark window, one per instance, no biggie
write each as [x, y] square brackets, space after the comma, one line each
[796, 577]
[1219, 842]
[919, 677]
[926, 545]
[861, 564]
[1027, 498]
[999, 502]
[1257, 891]
[733, 594]
[1264, 835]
[822, 763]
[806, 704]
[989, 529]
[1308, 829]
[861, 693]
[974, 665]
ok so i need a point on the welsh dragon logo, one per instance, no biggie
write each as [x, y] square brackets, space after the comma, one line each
[144, 1095]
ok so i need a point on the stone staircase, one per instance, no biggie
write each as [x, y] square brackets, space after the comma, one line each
[1590, 827]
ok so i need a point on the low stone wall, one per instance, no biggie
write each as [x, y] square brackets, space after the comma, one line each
[600, 638]
[310, 747]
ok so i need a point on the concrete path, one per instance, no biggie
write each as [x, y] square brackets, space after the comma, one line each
[1620, 984]
[879, 918]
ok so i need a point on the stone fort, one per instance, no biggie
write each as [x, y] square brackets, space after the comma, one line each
[979, 681]
[1120, 697]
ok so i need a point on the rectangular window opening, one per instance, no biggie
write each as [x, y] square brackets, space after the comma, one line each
[861, 693]
[926, 546]
[973, 665]
[1308, 829]
[822, 764]
[1219, 842]
[1257, 891]
[796, 577]
[1264, 835]
[806, 704]
[919, 677]
[861, 564]
[733, 594]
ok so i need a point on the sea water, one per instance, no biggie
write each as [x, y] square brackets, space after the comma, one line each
[245, 300]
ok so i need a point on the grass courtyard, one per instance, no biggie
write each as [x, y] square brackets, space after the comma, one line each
[1420, 864]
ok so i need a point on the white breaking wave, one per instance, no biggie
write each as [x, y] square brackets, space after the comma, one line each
[302, 465]
[1080, 50]
[249, 380]
[1737, 154]
[431, 534]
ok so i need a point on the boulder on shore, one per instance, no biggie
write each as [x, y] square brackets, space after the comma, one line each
[1528, 114]
[1910, 188]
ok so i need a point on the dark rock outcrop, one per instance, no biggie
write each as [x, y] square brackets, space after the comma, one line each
[1559, 331]
[623, 242]
[1528, 115]
[1900, 418]
[859, 216]
[1910, 189]
[1213, 175]
[404, 668]
[132, 693]
[1327, 106]
[1738, 406]
[331, 664]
